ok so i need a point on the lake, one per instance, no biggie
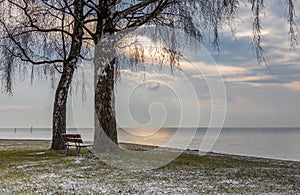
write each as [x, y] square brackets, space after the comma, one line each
[275, 143]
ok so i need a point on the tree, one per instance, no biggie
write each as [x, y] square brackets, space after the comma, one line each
[93, 22]
[47, 35]
[194, 17]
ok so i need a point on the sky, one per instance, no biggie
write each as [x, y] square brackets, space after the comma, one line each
[252, 96]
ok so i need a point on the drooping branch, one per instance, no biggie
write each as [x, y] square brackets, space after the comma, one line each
[257, 9]
[290, 15]
[134, 8]
[23, 54]
[161, 6]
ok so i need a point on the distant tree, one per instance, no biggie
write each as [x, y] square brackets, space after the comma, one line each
[92, 22]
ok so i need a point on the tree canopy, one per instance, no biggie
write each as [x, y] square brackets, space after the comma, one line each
[54, 35]
[39, 32]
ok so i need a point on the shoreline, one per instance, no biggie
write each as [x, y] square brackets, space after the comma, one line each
[32, 144]
[215, 154]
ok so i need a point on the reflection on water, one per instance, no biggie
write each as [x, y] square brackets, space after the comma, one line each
[142, 136]
[166, 137]
[279, 143]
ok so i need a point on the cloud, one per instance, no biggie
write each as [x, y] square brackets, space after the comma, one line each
[231, 70]
[14, 107]
[146, 76]
[201, 69]
[293, 85]
[249, 33]
[154, 85]
[254, 79]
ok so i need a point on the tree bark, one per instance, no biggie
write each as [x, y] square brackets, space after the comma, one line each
[59, 110]
[106, 138]
[105, 135]
[105, 66]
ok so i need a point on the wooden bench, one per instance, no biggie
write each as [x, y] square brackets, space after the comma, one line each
[74, 140]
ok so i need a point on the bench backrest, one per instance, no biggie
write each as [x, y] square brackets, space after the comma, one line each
[75, 138]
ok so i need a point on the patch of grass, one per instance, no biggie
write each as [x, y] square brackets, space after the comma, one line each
[48, 171]
[15, 156]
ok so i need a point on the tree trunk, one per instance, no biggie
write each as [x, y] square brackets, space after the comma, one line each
[105, 135]
[61, 95]
[59, 110]
[106, 138]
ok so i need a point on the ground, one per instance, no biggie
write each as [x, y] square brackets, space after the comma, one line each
[31, 168]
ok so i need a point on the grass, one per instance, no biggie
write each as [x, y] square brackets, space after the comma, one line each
[50, 172]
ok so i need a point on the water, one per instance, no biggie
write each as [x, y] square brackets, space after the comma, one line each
[276, 143]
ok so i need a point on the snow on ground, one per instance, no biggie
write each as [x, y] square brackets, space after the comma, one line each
[46, 172]
[88, 175]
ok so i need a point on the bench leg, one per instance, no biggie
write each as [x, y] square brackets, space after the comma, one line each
[77, 150]
[67, 150]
